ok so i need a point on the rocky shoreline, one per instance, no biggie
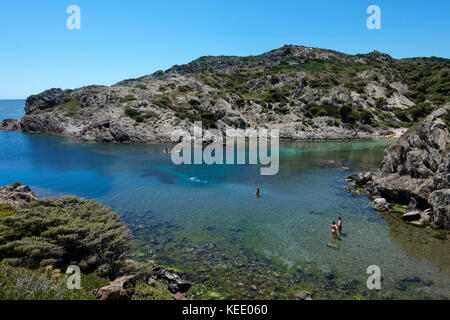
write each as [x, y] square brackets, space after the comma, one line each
[414, 177]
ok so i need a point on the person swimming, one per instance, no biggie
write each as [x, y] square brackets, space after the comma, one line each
[333, 229]
[257, 192]
[339, 225]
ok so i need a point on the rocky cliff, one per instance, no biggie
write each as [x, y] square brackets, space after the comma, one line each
[308, 93]
[415, 172]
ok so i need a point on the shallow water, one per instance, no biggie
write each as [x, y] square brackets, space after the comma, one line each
[206, 221]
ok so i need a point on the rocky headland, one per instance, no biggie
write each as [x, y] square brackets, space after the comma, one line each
[414, 177]
[307, 93]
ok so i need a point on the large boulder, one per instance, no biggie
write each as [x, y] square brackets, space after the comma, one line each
[380, 204]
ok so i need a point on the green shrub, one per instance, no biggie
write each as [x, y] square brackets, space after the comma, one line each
[447, 119]
[70, 108]
[240, 103]
[141, 86]
[346, 113]
[184, 89]
[16, 184]
[422, 145]
[23, 284]
[275, 96]
[156, 291]
[129, 97]
[131, 112]
[274, 79]
[366, 117]
[402, 114]
[194, 103]
[60, 231]
[380, 102]
[163, 102]
[139, 116]
[421, 110]
[281, 110]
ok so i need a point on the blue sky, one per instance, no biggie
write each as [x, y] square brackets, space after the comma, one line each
[127, 39]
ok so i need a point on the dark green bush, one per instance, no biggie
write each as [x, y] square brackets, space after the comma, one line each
[141, 86]
[163, 102]
[346, 113]
[380, 102]
[129, 97]
[420, 111]
[64, 231]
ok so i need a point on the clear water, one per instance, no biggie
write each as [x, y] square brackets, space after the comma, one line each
[214, 229]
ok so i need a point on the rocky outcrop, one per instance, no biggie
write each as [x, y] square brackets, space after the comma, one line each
[175, 283]
[304, 295]
[153, 275]
[10, 125]
[415, 172]
[16, 195]
[119, 289]
[46, 100]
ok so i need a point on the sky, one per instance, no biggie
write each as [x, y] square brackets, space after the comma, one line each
[128, 39]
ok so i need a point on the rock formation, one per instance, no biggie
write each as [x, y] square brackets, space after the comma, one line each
[307, 93]
[119, 289]
[16, 195]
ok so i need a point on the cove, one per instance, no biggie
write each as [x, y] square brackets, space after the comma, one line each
[205, 220]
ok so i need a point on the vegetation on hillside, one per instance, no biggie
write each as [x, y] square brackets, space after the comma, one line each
[289, 84]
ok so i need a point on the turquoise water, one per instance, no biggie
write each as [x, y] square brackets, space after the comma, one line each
[213, 227]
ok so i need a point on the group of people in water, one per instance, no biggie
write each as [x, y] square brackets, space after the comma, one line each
[336, 230]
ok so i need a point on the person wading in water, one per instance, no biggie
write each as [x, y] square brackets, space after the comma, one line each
[334, 230]
[339, 225]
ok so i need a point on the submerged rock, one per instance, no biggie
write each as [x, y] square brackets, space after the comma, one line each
[412, 215]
